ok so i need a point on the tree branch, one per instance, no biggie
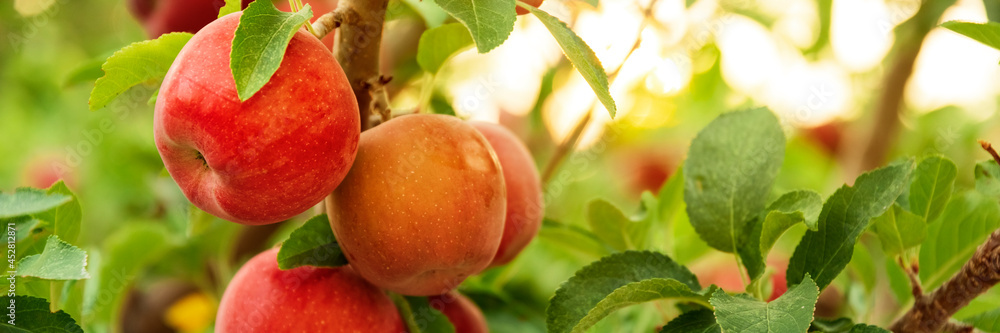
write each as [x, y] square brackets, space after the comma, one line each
[932, 312]
[357, 51]
[910, 37]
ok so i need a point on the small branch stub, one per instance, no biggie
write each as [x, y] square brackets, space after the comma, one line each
[325, 24]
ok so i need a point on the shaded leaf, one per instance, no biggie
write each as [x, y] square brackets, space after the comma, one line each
[988, 178]
[862, 328]
[790, 209]
[614, 228]
[838, 325]
[420, 317]
[65, 218]
[698, 321]
[312, 244]
[899, 230]
[579, 297]
[573, 237]
[33, 316]
[845, 215]
[988, 321]
[439, 44]
[965, 223]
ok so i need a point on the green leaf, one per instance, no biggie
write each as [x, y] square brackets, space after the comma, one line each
[614, 228]
[838, 325]
[988, 178]
[439, 44]
[862, 328]
[125, 252]
[792, 312]
[32, 315]
[230, 7]
[260, 42]
[312, 244]
[139, 62]
[899, 230]
[25, 201]
[616, 281]
[987, 33]
[66, 217]
[790, 209]
[964, 224]
[573, 237]
[933, 182]
[728, 174]
[198, 221]
[639, 292]
[988, 321]
[845, 215]
[671, 197]
[420, 316]
[581, 56]
[87, 71]
[58, 261]
[489, 21]
[698, 321]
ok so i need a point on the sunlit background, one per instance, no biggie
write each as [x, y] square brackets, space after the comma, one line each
[675, 68]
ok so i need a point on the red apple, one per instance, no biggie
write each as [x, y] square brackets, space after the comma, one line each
[423, 206]
[533, 3]
[263, 298]
[779, 285]
[461, 312]
[164, 16]
[827, 136]
[319, 7]
[525, 208]
[265, 159]
[44, 170]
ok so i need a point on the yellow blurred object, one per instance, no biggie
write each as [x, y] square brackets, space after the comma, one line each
[191, 313]
[29, 8]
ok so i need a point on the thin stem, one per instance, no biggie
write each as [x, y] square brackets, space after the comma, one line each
[989, 148]
[911, 274]
[739, 267]
[55, 293]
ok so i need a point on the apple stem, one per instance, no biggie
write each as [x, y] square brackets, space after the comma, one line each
[989, 149]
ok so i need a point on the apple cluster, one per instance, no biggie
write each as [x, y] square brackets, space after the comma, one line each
[417, 204]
